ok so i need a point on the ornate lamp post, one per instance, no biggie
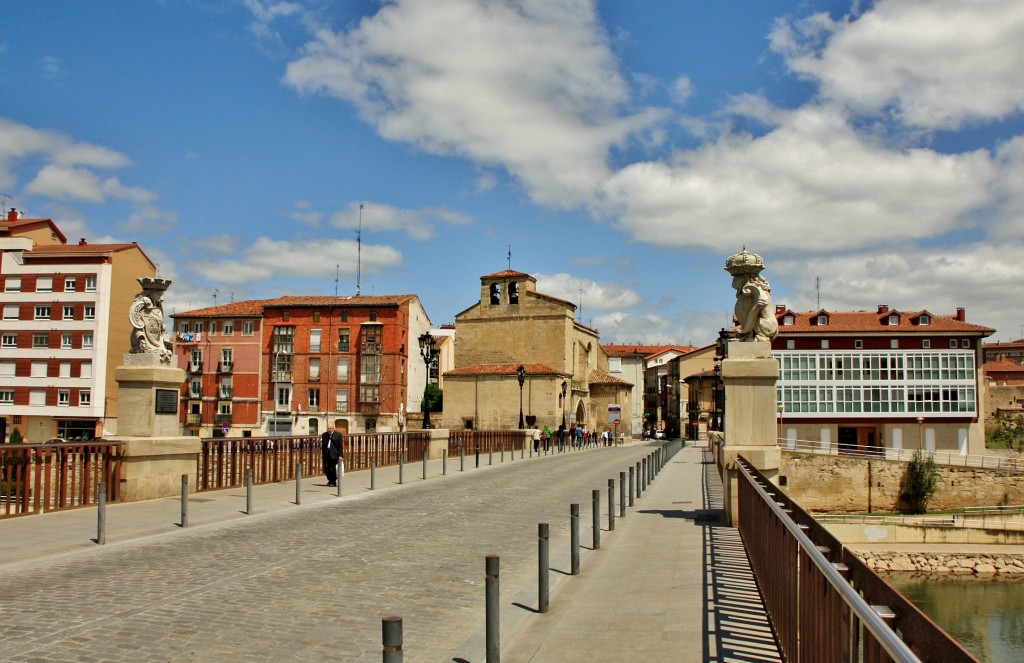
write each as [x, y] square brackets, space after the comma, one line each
[521, 376]
[564, 387]
[428, 349]
[920, 433]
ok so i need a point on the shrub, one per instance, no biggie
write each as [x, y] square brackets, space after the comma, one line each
[16, 437]
[919, 482]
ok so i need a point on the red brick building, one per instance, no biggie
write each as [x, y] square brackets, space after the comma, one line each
[293, 365]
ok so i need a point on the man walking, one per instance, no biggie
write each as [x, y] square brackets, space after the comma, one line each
[330, 447]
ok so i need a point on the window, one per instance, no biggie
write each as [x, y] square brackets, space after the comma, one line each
[37, 397]
[369, 393]
[183, 327]
[824, 344]
[495, 294]
[63, 397]
[341, 400]
[822, 319]
[926, 343]
[12, 311]
[86, 369]
[342, 370]
[39, 369]
[7, 369]
[513, 293]
[227, 357]
[65, 369]
[229, 327]
[316, 316]
[196, 360]
[314, 340]
[286, 315]
[65, 341]
[614, 364]
[43, 312]
[284, 397]
[373, 316]
[197, 327]
[788, 320]
[790, 344]
[195, 389]
[213, 327]
[69, 283]
[966, 343]
[314, 369]
[284, 340]
[314, 400]
[858, 344]
[224, 408]
[343, 340]
[6, 397]
[952, 342]
[924, 320]
[12, 284]
[84, 397]
[40, 340]
[90, 312]
[69, 312]
[90, 283]
[894, 320]
[247, 327]
[894, 343]
[87, 340]
[344, 316]
[9, 341]
[225, 387]
[44, 284]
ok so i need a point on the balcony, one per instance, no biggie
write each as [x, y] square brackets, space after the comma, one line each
[225, 392]
[222, 419]
[370, 349]
[314, 409]
[226, 366]
[195, 366]
[193, 418]
[195, 393]
[314, 377]
[282, 376]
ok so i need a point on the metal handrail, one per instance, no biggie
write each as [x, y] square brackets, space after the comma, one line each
[890, 641]
[951, 459]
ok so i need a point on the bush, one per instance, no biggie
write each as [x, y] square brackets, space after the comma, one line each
[16, 437]
[1007, 433]
[433, 401]
[920, 482]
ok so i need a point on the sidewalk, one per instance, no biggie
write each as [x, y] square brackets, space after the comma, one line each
[671, 583]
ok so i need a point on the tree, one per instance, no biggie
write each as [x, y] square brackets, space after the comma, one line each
[1007, 433]
[16, 437]
[433, 399]
[920, 481]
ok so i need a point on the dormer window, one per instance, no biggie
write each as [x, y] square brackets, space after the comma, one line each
[495, 294]
[822, 320]
[894, 320]
[924, 320]
[513, 293]
[787, 319]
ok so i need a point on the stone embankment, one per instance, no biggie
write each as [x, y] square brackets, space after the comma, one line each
[942, 563]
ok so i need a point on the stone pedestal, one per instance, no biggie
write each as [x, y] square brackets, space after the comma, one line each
[156, 454]
[748, 374]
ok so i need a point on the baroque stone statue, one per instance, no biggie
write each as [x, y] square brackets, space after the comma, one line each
[147, 317]
[755, 316]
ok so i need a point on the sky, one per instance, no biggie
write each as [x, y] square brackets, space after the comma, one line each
[617, 150]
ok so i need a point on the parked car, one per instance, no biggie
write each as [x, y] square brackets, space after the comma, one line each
[659, 435]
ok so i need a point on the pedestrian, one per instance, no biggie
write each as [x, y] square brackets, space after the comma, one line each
[547, 438]
[330, 448]
[561, 438]
[536, 439]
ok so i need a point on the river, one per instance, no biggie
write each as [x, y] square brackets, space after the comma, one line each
[985, 615]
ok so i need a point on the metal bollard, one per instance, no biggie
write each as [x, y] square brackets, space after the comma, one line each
[478, 454]
[611, 505]
[522, 451]
[101, 514]
[631, 481]
[444, 462]
[391, 637]
[622, 494]
[490, 453]
[596, 499]
[298, 484]
[543, 567]
[401, 467]
[639, 481]
[424, 465]
[373, 472]
[462, 458]
[493, 628]
[340, 472]
[184, 500]
[248, 491]
[574, 539]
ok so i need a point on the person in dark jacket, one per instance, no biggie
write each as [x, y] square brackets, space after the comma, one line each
[330, 447]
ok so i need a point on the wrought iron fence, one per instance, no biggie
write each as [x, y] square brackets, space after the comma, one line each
[824, 603]
[223, 461]
[37, 478]
[484, 440]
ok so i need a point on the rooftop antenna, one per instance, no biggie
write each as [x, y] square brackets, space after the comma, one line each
[509, 256]
[215, 293]
[359, 250]
[4, 197]
[817, 288]
[232, 299]
[337, 267]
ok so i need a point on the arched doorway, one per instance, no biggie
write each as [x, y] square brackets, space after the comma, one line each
[581, 415]
[341, 425]
[314, 426]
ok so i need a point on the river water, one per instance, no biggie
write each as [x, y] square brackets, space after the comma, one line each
[985, 615]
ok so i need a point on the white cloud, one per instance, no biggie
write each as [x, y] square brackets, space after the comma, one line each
[419, 225]
[812, 183]
[681, 90]
[527, 85]
[937, 63]
[595, 295]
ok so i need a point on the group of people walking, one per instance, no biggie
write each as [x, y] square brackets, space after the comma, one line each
[576, 437]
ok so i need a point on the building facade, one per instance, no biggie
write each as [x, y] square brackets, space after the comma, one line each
[64, 329]
[293, 365]
[881, 379]
[565, 377]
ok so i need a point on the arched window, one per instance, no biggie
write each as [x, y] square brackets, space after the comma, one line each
[513, 293]
[495, 294]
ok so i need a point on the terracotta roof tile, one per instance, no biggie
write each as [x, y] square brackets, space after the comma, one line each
[875, 321]
[501, 369]
[255, 307]
[600, 377]
[505, 274]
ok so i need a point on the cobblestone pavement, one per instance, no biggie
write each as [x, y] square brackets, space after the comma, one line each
[312, 583]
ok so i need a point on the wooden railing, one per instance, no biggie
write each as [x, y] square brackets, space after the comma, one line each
[36, 478]
[223, 461]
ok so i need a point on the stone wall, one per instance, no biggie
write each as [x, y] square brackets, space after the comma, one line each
[841, 484]
[944, 563]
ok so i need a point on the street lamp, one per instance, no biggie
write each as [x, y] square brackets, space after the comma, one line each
[521, 376]
[920, 433]
[782, 408]
[428, 349]
[564, 386]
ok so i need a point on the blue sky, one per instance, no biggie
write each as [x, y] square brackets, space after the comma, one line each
[622, 150]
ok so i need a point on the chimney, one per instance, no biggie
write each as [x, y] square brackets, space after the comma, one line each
[780, 309]
[961, 314]
[883, 308]
[81, 241]
[13, 215]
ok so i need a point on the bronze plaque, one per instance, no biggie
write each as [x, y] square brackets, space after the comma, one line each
[167, 401]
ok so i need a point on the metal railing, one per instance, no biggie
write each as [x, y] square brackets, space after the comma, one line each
[947, 458]
[484, 440]
[824, 603]
[983, 517]
[223, 461]
[37, 478]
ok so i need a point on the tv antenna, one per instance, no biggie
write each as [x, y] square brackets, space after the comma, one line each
[4, 197]
[216, 291]
[817, 289]
[337, 268]
[359, 250]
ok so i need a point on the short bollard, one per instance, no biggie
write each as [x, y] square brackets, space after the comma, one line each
[490, 454]
[462, 458]
[424, 465]
[478, 455]
[101, 515]
[444, 462]
[493, 628]
[503, 452]
[391, 637]
[522, 451]
[248, 491]
[611, 505]
[632, 478]
[373, 473]
[341, 473]
[574, 539]
[622, 494]
[639, 480]
[401, 467]
[596, 499]
[298, 483]
[184, 500]
[543, 567]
